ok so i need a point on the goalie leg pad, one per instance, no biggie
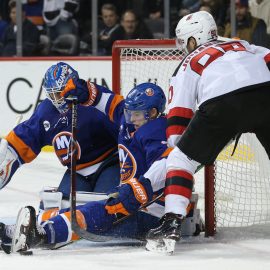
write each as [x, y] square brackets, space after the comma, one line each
[83, 197]
[9, 162]
[50, 198]
[83, 183]
[192, 224]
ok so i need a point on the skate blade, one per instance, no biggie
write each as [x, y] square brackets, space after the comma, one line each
[165, 246]
[19, 239]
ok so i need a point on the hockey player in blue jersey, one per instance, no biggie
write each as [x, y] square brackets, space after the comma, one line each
[141, 122]
[143, 141]
[50, 124]
[97, 166]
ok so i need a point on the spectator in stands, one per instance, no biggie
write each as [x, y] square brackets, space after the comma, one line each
[218, 9]
[120, 5]
[261, 9]
[33, 12]
[58, 16]
[111, 29]
[154, 9]
[189, 6]
[61, 26]
[3, 26]
[260, 36]
[29, 31]
[246, 25]
[4, 9]
[84, 20]
[154, 17]
[133, 28]
[206, 8]
[179, 9]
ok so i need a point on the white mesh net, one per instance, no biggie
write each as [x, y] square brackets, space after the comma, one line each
[154, 65]
[243, 184]
[242, 181]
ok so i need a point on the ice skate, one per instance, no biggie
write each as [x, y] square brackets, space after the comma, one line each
[164, 237]
[26, 233]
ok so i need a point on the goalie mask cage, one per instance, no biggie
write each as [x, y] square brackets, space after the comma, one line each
[236, 188]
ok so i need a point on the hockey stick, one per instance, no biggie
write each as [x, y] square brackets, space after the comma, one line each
[74, 223]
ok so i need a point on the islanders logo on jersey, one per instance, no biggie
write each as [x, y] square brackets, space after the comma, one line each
[128, 165]
[62, 147]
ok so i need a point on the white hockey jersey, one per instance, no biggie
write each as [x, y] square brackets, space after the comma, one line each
[212, 70]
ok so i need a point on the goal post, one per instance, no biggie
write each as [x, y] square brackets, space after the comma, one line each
[209, 201]
[236, 189]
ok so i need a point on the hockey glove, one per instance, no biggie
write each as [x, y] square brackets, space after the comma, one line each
[86, 92]
[9, 162]
[128, 197]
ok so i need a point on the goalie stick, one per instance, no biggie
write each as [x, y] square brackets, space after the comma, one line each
[74, 223]
[18, 119]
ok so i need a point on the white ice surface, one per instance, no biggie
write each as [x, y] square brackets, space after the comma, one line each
[232, 249]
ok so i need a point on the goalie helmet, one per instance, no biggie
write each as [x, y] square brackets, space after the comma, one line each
[199, 25]
[143, 98]
[55, 80]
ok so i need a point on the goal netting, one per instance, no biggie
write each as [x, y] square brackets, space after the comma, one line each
[242, 183]
[236, 189]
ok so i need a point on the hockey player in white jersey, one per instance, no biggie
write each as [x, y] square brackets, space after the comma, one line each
[220, 90]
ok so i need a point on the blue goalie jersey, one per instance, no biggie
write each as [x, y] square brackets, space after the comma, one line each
[96, 135]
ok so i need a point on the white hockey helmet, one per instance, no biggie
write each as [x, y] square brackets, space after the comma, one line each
[199, 25]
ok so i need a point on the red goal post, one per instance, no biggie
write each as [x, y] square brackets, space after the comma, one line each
[236, 190]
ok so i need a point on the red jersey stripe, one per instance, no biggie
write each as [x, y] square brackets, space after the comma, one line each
[267, 58]
[178, 190]
[182, 112]
[175, 130]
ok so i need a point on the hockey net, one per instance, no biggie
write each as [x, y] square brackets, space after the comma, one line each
[236, 189]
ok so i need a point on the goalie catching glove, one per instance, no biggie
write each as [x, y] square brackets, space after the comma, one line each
[9, 162]
[86, 92]
[128, 197]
